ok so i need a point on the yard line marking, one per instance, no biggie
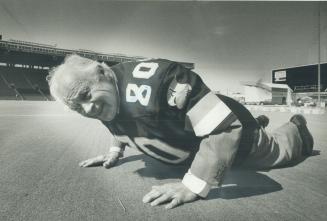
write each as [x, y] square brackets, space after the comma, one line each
[229, 185]
[37, 115]
[121, 205]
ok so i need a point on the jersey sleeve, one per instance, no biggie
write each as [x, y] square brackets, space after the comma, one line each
[204, 111]
[212, 161]
[209, 118]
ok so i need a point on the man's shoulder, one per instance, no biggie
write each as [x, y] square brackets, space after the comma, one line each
[150, 71]
[131, 65]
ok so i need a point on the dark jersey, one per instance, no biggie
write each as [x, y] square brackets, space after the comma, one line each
[165, 109]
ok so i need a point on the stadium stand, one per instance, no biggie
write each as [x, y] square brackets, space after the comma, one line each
[19, 83]
[6, 93]
[37, 79]
[23, 67]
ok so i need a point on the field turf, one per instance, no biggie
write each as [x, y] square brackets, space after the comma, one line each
[41, 145]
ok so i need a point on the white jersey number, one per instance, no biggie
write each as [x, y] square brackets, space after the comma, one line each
[141, 93]
[143, 142]
[145, 70]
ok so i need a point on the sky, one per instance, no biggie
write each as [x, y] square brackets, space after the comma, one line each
[229, 42]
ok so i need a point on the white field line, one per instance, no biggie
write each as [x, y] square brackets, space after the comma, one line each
[229, 185]
[38, 115]
[298, 110]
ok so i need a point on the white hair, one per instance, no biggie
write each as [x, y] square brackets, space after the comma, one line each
[73, 64]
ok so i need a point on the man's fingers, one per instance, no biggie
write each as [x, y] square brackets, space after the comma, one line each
[175, 202]
[90, 163]
[174, 194]
[85, 163]
[153, 194]
[162, 199]
[96, 161]
[81, 164]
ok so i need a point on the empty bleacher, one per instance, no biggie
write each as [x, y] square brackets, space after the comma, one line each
[23, 84]
[6, 93]
[37, 79]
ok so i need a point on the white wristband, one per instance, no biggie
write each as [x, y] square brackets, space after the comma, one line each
[115, 149]
[196, 185]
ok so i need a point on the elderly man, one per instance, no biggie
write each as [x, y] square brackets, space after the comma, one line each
[167, 112]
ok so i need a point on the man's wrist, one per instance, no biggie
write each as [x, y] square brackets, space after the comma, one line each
[196, 185]
[115, 149]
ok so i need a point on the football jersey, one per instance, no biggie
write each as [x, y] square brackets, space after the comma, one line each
[165, 109]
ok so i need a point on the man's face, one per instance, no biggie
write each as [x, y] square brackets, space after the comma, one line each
[90, 92]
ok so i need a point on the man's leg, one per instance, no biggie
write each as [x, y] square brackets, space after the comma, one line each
[285, 145]
[305, 134]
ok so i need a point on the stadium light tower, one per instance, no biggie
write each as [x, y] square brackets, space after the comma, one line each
[319, 89]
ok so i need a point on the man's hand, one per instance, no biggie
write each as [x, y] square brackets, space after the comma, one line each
[174, 193]
[107, 161]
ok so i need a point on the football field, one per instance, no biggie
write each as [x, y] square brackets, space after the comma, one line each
[41, 145]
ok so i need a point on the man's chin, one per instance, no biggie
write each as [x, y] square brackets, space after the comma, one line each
[105, 116]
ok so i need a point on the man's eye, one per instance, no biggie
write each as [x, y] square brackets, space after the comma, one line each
[88, 96]
[85, 96]
[78, 109]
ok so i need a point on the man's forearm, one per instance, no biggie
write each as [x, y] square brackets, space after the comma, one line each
[117, 146]
[214, 158]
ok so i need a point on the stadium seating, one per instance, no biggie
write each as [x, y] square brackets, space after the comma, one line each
[23, 84]
[37, 79]
[6, 93]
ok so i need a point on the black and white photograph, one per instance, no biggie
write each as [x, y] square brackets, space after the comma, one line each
[163, 110]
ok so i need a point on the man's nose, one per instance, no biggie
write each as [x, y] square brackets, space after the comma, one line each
[88, 108]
